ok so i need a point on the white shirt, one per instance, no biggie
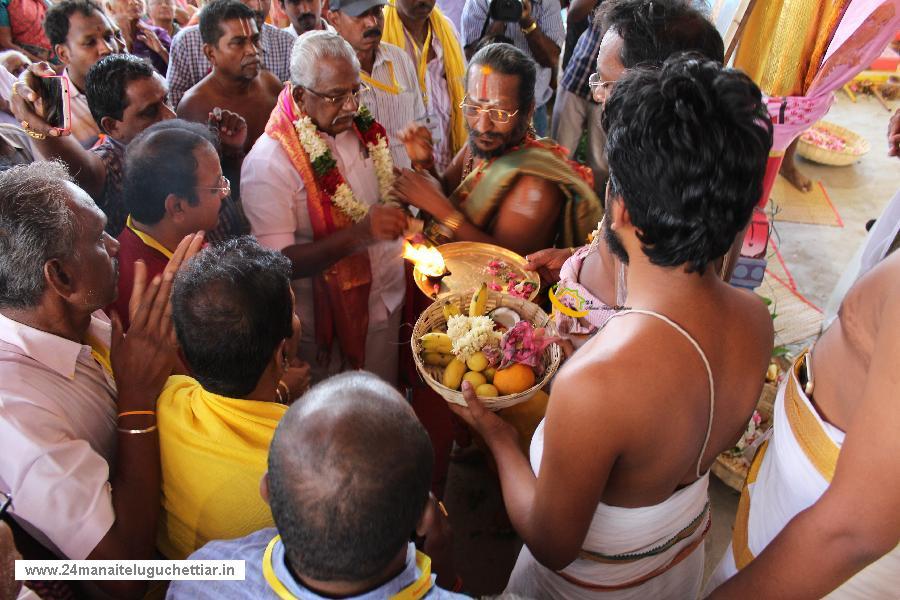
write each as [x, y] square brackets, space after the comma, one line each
[57, 435]
[325, 27]
[394, 110]
[274, 200]
[438, 97]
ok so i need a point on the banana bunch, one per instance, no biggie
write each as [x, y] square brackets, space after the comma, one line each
[436, 349]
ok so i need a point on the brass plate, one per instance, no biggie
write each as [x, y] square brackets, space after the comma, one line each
[467, 262]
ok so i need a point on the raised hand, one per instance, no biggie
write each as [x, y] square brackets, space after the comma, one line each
[420, 190]
[231, 127]
[149, 37]
[26, 103]
[385, 223]
[417, 140]
[548, 262]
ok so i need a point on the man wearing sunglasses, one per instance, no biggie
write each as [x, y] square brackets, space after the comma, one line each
[505, 187]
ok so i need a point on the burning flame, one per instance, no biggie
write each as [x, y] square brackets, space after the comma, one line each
[426, 258]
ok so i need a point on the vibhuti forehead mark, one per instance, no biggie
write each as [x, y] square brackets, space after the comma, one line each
[245, 27]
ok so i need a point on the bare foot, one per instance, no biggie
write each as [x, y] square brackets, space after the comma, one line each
[795, 177]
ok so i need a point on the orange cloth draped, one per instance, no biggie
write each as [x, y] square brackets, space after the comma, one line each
[785, 41]
[341, 292]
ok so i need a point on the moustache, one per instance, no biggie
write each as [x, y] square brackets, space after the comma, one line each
[493, 135]
[424, 6]
[307, 17]
[374, 32]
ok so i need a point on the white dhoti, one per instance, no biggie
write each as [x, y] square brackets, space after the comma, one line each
[647, 552]
[789, 474]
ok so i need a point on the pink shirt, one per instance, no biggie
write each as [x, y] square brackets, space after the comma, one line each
[57, 435]
[274, 200]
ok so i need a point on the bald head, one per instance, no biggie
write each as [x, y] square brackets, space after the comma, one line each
[349, 472]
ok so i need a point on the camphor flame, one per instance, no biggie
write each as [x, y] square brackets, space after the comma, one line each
[427, 259]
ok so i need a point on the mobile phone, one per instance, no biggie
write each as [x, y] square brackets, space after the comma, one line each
[55, 99]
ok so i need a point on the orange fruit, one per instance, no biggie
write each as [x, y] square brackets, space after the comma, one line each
[514, 379]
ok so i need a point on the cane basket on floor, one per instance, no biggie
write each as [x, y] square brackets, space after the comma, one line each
[813, 145]
[432, 319]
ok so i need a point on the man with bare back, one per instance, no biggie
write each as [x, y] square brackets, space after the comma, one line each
[614, 502]
[237, 81]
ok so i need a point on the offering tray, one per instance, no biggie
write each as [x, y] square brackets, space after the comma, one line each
[467, 263]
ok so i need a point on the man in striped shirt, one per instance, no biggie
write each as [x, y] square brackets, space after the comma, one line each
[188, 64]
[393, 94]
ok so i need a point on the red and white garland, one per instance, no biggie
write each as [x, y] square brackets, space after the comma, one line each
[372, 134]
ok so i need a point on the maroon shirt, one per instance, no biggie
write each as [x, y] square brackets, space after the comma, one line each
[132, 248]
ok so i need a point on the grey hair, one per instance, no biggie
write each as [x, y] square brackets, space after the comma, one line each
[37, 224]
[312, 47]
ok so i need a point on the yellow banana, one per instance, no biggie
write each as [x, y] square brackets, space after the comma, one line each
[453, 374]
[437, 359]
[450, 309]
[479, 301]
[436, 342]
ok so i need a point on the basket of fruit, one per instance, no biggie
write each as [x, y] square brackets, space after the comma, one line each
[830, 144]
[504, 346]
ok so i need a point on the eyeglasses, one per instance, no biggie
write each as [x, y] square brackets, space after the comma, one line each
[223, 188]
[496, 115]
[599, 88]
[342, 99]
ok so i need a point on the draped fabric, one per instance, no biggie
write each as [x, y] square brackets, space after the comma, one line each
[213, 453]
[341, 292]
[789, 474]
[454, 65]
[840, 39]
[480, 195]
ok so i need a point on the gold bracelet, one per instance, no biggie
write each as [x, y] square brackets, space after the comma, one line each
[148, 430]
[454, 221]
[530, 28]
[135, 412]
[35, 135]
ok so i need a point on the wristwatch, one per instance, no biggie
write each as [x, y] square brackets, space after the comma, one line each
[530, 28]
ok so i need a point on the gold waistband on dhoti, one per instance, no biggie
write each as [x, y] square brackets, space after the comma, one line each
[821, 451]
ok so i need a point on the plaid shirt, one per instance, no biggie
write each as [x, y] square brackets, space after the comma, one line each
[582, 63]
[188, 65]
[548, 16]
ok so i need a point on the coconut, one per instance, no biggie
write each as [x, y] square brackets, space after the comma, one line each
[505, 317]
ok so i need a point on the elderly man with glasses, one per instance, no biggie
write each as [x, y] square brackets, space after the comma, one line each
[312, 187]
[505, 187]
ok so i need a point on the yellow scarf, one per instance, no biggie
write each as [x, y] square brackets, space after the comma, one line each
[213, 453]
[454, 65]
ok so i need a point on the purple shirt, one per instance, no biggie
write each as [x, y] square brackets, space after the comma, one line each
[139, 48]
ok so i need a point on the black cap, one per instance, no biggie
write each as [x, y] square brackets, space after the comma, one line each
[354, 8]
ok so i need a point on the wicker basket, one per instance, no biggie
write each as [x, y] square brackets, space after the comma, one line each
[857, 146]
[432, 319]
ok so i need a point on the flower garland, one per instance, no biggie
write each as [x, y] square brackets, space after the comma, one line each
[325, 170]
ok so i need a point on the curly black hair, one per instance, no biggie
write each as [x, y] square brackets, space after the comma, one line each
[653, 30]
[687, 146]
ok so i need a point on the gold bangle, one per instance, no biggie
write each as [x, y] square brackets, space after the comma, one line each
[454, 221]
[135, 412]
[148, 430]
[530, 28]
[32, 133]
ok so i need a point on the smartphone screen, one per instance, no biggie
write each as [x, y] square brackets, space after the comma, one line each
[55, 98]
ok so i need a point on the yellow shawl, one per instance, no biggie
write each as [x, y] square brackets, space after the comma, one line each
[213, 453]
[454, 65]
